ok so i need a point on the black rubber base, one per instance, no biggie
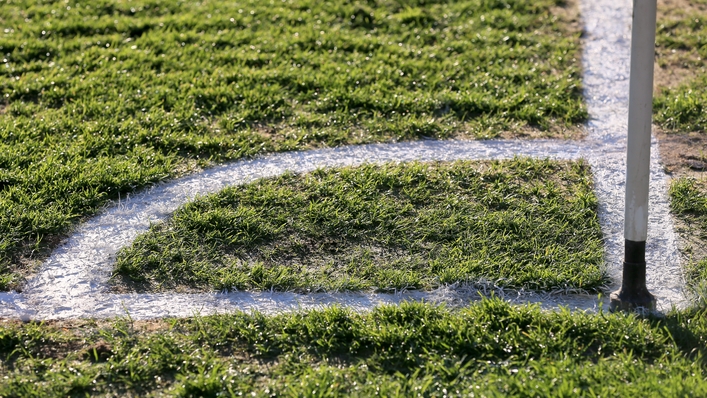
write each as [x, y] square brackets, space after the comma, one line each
[632, 300]
[633, 294]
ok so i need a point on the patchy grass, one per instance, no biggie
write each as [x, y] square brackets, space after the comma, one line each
[680, 110]
[101, 98]
[681, 76]
[488, 349]
[689, 203]
[521, 223]
[689, 200]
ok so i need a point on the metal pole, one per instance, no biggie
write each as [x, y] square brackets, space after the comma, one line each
[633, 293]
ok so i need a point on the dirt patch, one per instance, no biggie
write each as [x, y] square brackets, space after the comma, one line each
[673, 67]
[683, 154]
[99, 351]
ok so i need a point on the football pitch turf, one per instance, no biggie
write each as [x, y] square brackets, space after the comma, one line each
[522, 223]
[103, 99]
[680, 111]
[489, 349]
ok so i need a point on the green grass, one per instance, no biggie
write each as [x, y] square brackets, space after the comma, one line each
[489, 349]
[101, 98]
[521, 223]
[689, 202]
[682, 43]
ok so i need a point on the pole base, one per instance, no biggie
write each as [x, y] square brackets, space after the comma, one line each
[633, 295]
[640, 300]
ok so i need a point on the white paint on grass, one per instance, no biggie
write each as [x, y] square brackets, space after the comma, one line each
[73, 282]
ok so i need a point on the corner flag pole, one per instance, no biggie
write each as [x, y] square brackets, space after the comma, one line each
[633, 293]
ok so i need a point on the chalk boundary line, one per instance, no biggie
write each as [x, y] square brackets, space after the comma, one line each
[72, 283]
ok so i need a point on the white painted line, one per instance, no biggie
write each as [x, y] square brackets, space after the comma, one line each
[73, 281]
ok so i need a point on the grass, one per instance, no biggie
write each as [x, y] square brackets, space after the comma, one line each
[100, 98]
[682, 47]
[520, 223]
[103, 98]
[689, 203]
[489, 349]
[680, 109]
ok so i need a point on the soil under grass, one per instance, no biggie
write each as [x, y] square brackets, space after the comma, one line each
[680, 107]
[488, 349]
[100, 98]
[517, 223]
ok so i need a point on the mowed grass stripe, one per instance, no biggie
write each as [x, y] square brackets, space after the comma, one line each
[521, 223]
[100, 98]
[487, 349]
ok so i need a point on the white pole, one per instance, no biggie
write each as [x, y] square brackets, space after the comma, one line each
[633, 291]
[640, 112]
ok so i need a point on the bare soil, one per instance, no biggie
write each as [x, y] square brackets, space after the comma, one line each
[683, 154]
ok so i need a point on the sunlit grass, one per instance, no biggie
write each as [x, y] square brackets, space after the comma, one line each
[682, 44]
[488, 349]
[681, 109]
[518, 223]
[100, 98]
[688, 200]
